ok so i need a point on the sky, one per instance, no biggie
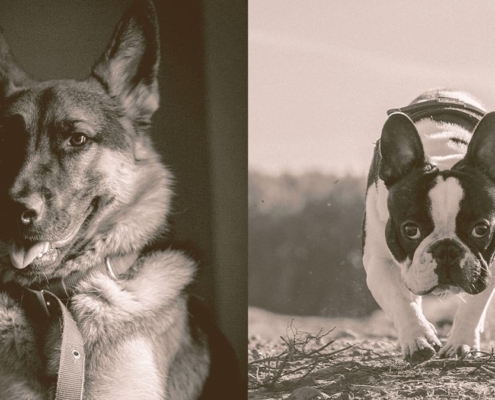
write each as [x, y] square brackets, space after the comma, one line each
[323, 73]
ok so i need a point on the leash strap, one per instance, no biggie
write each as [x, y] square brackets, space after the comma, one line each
[70, 382]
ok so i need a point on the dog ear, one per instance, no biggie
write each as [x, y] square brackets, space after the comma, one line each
[11, 76]
[401, 148]
[129, 66]
[481, 148]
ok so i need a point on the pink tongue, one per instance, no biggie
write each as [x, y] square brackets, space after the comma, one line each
[22, 257]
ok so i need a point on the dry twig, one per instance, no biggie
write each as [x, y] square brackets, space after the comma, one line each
[299, 356]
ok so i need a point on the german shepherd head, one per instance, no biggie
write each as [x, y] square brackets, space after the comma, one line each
[79, 179]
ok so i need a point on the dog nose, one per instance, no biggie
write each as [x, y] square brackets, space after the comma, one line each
[32, 209]
[446, 251]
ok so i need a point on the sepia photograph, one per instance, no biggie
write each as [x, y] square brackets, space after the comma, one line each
[263, 199]
[371, 206]
[123, 200]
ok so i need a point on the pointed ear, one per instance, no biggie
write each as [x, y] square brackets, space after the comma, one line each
[11, 76]
[129, 66]
[401, 148]
[481, 148]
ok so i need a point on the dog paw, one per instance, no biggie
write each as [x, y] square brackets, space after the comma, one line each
[17, 338]
[14, 328]
[460, 346]
[100, 293]
[99, 304]
[454, 350]
[419, 344]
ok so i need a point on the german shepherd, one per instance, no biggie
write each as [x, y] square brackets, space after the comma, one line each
[82, 191]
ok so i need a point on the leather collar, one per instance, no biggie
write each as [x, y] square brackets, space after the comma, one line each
[35, 300]
[112, 266]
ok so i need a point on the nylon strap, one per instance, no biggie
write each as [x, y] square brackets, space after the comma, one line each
[70, 382]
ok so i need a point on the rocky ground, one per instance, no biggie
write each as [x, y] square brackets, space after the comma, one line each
[303, 358]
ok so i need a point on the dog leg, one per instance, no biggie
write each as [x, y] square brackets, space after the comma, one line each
[468, 324]
[417, 337]
[20, 365]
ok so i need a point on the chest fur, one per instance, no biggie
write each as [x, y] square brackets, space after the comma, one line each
[132, 330]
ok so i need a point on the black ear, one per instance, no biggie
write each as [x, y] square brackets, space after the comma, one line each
[481, 148]
[401, 148]
[11, 76]
[129, 66]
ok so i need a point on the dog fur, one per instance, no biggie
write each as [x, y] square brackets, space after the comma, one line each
[109, 196]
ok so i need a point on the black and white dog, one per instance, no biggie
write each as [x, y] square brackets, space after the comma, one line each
[430, 218]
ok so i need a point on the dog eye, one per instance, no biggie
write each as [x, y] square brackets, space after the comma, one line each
[412, 231]
[78, 139]
[480, 230]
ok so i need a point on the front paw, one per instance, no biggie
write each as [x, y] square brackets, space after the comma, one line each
[419, 343]
[455, 350]
[103, 305]
[18, 350]
[459, 345]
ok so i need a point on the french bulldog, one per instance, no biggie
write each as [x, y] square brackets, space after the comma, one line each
[430, 219]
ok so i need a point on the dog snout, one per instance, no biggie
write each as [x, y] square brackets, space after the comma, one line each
[31, 209]
[446, 252]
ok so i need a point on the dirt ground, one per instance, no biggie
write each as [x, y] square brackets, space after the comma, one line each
[303, 358]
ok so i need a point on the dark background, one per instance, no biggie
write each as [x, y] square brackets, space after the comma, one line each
[200, 128]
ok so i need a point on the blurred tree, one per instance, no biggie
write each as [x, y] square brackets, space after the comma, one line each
[305, 245]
